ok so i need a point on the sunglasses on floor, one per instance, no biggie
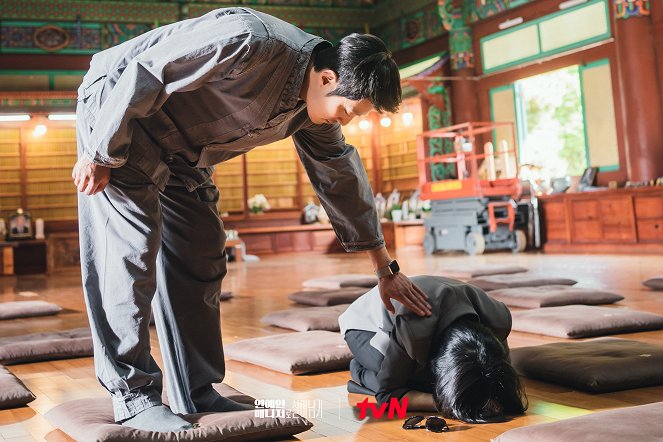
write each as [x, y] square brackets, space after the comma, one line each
[433, 423]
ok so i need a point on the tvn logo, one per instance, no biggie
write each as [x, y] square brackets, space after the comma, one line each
[395, 407]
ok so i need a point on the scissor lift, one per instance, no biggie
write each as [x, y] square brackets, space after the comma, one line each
[470, 213]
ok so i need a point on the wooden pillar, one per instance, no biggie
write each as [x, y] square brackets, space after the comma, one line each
[464, 97]
[641, 95]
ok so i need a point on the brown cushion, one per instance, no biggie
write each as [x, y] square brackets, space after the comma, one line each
[305, 319]
[494, 282]
[580, 321]
[323, 298]
[368, 282]
[655, 283]
[224, 296]
[294, 353]
[92, 419]
[598, 365]
[476, 271]
[642, 424]
[36, 347]
[27, 309]
[12, 391]
[338, 281]
[553, 295]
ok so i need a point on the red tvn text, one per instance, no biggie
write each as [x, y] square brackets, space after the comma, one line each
[400, 409]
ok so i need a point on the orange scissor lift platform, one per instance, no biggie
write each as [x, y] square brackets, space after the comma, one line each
[476, 210]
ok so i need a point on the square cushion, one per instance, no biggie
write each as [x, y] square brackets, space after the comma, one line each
[12, 391]
[338, 281]
[476, 271]
[323, 298]
[27, 309]
[92, 420]
[494, 282]
[305, 319]
[655, 283]
[294, 353]
[553, 295]
[642, 424]
[580, 321]
[598, 365]
[36, 347]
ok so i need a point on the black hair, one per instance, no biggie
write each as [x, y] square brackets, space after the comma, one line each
[365, 69]
[474, 380]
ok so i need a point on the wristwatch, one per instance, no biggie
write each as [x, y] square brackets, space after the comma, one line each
[390, 269]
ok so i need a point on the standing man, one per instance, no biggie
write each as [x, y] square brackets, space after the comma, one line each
[154, 115]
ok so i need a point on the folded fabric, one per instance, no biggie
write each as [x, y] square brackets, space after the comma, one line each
[356, 388]
[581, 321]
[476, 271]
[598, 365]
[37, 347]
[495, 282]
[92, 420]
[27, 309]
[12, 391]
[553, 295]
[294, 353]
[305, 319]
[323, 298]
[642, 424]
[338, 281]
[655, 283]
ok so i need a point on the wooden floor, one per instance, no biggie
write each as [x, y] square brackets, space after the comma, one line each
[262, 287]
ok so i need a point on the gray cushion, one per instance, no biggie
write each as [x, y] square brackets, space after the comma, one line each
[305, 319]
[553, 295]
[367, 282]
[92, 420]
[36, 347]
[12, 391]
[641, 424]
[598, 365]
[476, 271]
[323, 298]
[580, 321]
[495, 282]
[27, 309]
[655, 283]
[294, 353]
[224, 296]
[334, 282]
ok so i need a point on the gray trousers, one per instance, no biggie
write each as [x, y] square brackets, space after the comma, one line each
[146, 251]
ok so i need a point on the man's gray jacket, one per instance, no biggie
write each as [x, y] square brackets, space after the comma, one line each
[186, 96]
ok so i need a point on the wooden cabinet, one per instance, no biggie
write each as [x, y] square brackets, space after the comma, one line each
[620, 220]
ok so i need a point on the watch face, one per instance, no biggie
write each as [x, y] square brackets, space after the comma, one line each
[393, 265]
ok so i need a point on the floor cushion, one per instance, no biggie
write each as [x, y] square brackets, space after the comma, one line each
[27, 309]
[597, 365]
[338, 281]
[224, 296]
[476, 271]
[323, 298]
[305, 319]
[581, 321]
[553, 295]
[294, 353]
[494, 282]
[642, 424]
[92, 420]
[12, 391]
[37, 347]
[655, 283]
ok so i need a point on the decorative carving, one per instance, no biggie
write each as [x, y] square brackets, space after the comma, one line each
[51, 38]
[632, 8]
[455, 21]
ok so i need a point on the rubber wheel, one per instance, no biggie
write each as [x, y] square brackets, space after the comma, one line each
[475, 244]
[521, 241]
[429, 243]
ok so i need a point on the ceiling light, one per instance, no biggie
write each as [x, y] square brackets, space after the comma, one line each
[385, 122]
[14, 117]
[62, 117]
[39, 130]
[571, 3]
[408, 118]
[364, 124]
[510, 23]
